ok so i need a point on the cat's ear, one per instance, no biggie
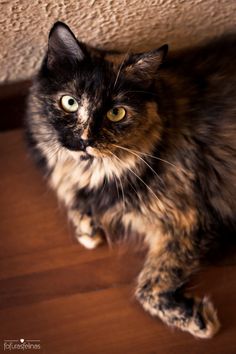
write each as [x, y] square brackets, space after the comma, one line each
[63, 46]
[143, 67]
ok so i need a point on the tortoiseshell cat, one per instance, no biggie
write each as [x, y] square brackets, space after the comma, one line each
[145, 147]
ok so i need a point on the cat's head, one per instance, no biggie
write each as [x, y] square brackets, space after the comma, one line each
[95, 106]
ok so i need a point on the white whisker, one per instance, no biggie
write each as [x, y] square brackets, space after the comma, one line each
[122, 189]
[154, 157]
[147, 92]
[135, 154]
[120, 67]
[141, 180]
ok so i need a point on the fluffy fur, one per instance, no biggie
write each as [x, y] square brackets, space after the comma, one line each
[165, 173]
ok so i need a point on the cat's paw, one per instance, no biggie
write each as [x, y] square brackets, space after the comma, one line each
[90, 242]
[87, 235]
[204, 323]
[192, 315]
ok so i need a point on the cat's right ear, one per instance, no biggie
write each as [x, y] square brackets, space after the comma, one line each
[63, 46]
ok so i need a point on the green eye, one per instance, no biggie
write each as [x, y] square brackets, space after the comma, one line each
[116, 114]
[69, 104]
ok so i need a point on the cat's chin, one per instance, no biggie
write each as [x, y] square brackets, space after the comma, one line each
[79, 155]
[90, 153]
[93, 152]
[85, 157]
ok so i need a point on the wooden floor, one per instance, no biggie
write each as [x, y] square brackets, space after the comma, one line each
[79, 301]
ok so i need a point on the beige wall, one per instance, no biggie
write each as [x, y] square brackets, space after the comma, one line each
[113, 24]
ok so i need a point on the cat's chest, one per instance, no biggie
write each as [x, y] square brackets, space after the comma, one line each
[84, 182]
[68, 176]
[87, 188]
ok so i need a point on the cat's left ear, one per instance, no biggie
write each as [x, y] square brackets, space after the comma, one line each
[143, 67]
[63, 46]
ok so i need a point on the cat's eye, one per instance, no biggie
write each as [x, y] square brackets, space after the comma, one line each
[69, 104]
[116, 114]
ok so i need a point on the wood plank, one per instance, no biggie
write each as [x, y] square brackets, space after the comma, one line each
[91, 275]
[53, 258]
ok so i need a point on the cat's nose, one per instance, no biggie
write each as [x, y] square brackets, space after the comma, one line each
[84, 144]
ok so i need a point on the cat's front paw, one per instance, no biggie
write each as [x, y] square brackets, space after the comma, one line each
[90, 242]
[193, 315]
[204, 323]
[87, 234]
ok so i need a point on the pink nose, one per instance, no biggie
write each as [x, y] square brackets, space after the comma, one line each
[84, 143]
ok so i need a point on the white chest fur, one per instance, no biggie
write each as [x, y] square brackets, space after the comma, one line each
[70, 175]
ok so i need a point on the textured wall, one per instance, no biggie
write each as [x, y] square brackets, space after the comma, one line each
[119, 24]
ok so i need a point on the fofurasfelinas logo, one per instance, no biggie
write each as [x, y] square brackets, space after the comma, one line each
[21, 344]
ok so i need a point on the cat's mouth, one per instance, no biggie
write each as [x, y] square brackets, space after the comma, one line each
[94, 152]
[81, 149]
[88, 154]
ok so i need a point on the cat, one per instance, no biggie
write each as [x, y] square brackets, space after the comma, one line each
[142, 148]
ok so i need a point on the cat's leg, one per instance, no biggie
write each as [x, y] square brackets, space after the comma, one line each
[160, 288]
[86, 230]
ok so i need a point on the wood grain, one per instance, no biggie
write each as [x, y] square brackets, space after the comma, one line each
[79, 301]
